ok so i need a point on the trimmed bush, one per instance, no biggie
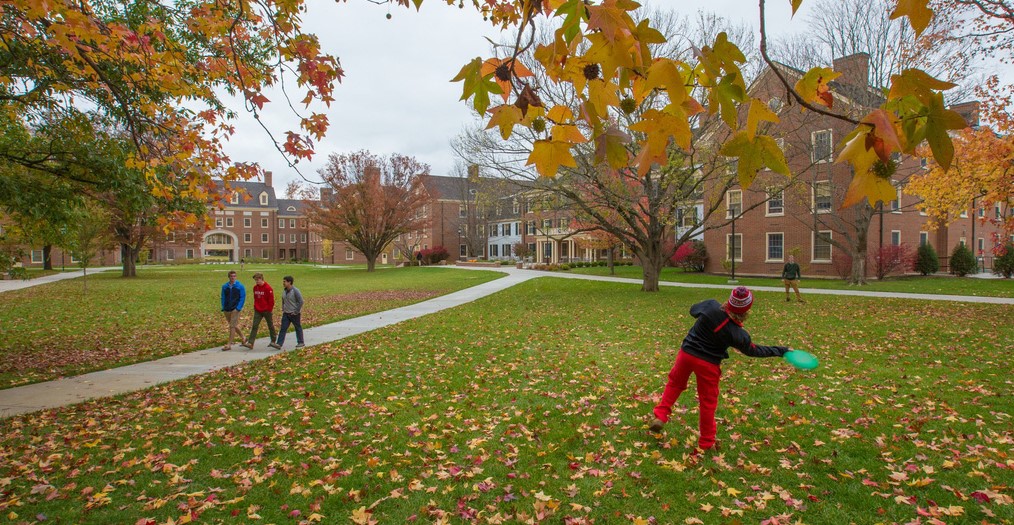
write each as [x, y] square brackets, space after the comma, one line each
[1003, 264]
[926, 260]
[962, 261]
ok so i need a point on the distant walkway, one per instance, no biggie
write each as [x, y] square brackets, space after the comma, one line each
[70, 390]
[67, 391]
[18, 284]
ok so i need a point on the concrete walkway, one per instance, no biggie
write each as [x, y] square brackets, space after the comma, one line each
[62, 392]
[18, 284]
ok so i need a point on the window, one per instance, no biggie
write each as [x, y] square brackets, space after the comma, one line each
[348, 254]
[219, 238]
[506, 250]
[547, 224]
[302, 237]
[895, 237]
[190, 253]
[896, 203]
[517, 207]
[776, 246]
[981, 244]
[462, 250]
[264, 198]
[517, 228]
[36, 256]
[462, 211]
[982, 212]
[733, 203]
[732, 167]
[923, 238]
[292, 223]
[248, 253]
[281, 238]
[776, 202]
[506, 229]
[234, 199]
[264, 238]
[246, 237]
[281, 223]
[686, 217]
[734, 247]
[997, 212]
[822, 246]
[264, 253]
[292, 238]
[494, 250]
[190, 236]
[247, 222]
[170, 237]
[547, 251]
[531, 227]
[218, 222]
[963, 214]
[822, 196]
[531, 247]
[228, 222]
[264, 222]
[822, 146]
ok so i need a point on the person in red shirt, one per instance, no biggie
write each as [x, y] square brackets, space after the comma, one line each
[264, 304]
[706, 345]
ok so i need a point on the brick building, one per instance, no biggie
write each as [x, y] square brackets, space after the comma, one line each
[802, 215]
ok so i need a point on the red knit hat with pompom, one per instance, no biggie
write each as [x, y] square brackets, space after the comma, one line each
[740, 300]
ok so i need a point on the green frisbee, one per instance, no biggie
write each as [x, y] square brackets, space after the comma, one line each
[801, 360]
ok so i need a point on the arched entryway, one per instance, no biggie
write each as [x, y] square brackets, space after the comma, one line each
[219, 244]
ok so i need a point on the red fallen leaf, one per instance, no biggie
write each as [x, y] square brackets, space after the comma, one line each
[813, 498]
[235, 512]
[574, 465]
[980, 497]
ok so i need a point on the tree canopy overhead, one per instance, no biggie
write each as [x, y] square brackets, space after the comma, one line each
[155, 70]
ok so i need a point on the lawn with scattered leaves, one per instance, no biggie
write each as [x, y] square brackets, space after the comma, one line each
[930, 284]
[80, 325]
[531, 406]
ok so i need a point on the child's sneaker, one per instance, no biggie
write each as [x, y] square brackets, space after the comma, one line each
[656, 425]
[300, 345]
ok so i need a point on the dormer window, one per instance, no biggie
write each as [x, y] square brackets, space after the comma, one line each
[290, 208]
[264, 198]
[234, 199]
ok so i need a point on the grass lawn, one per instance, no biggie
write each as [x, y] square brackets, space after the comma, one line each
[944, 285]
[532, 406]
[79, 325]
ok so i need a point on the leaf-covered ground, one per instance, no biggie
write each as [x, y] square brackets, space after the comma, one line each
[71, 327]
[531, 406]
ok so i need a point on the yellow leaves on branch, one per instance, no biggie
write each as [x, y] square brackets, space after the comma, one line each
[917, 11]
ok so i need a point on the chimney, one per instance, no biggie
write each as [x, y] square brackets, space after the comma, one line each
[968, 111]
[854, 69]
[325, 194]
[267, 178]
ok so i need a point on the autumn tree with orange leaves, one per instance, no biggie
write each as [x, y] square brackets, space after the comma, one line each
[367, 201]
[983, 172]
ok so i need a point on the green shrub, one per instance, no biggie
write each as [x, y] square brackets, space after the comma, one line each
[962, 261]
[1003, 264]
[564, 266]
[926, 260]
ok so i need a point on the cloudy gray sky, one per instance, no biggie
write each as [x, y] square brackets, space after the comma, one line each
[397, 96]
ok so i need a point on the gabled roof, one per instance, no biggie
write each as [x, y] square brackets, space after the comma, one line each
[298, 207]
[253, 190]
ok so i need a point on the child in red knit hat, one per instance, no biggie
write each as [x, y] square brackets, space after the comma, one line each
[717, 328]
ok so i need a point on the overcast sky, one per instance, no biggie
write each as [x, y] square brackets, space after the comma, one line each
[396, 96]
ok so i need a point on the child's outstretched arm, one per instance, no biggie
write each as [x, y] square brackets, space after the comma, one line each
[741, 341]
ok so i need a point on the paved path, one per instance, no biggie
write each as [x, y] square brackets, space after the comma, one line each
[62, 392]
[17, 284]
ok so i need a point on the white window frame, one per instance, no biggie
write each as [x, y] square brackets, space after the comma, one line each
[923, 238]
[190, 253]
[830, 145]
[896, 203]
[830, 196]
[292, 238]
[981, 245]
[246, 238]
[38, 259]
[813, 247]
[218, 222]
[264, 253]
[264, 198]
[781, 209]
[170, 237]
[462, 250]
[228, 222]
[281, 223]
[349, 255]
[302, 237]
[730, 202]
[264, 222]
[234, 199]
[247, 222]
[898, 234]
[190, 236]
[248, 253]
[462, 211]
[739, 247]
[292, 223]
[281, 238]
[767, 249]
[264, 237]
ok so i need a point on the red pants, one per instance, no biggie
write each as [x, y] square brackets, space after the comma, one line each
[708, 375]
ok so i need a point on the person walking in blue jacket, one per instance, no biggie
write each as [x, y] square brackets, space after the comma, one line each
[233, 297]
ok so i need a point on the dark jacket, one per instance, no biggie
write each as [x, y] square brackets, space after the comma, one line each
[791, 271]
[714, 332]
[233, 297]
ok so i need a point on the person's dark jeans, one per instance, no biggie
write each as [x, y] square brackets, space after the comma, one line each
[286, 319]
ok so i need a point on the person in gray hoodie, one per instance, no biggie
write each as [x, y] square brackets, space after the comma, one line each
[292, 305]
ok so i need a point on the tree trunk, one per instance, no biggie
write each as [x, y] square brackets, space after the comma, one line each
[861, 246]
[129, 256]
[47, 257]
[651, 266]
[371, 263]
[611, 261]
